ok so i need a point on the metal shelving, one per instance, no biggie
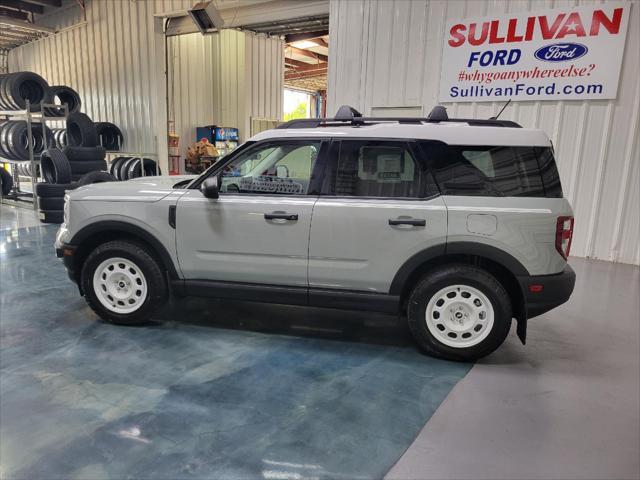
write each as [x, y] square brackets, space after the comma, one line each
[16, 196]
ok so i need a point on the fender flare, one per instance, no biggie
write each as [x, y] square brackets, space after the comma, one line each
[489, 252]
[119, 226]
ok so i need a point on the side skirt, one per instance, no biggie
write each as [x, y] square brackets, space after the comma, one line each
[314, 297]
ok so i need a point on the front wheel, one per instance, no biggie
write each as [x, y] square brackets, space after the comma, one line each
[459, 312]
[123, 283]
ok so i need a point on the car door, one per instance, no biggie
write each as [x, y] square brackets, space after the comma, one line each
[257, 231]
[378, 207]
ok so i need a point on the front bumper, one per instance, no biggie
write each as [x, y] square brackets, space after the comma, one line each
[66, 253]
[546, 292]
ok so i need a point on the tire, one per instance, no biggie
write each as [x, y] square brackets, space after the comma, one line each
[434, 331]
[51, 203]
[60, 137]
[15, 139]
[114, 169]
[95, 177]
[49, 190]
[55, 166]
[109, 135]
[51, 216]
[144, 286]
[123, 169]
[80, 168]
[4, 152]
[81, 132]
[65, 95]
[83, 154]
[3, 103]
[22, 86]
[6, 182]
[135, 169]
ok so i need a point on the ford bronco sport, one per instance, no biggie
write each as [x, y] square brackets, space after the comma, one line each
[457, 225]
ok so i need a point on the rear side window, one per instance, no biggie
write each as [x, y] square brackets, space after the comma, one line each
[493, 170]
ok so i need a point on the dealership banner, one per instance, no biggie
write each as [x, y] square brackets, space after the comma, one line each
[572, 53]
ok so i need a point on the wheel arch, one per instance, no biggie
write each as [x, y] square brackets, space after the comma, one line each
[500, 264]
[89, 237]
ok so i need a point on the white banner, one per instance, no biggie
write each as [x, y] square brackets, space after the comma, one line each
[570, 53]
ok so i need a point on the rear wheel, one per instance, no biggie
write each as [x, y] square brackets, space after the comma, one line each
[459, 312]
[123, 283]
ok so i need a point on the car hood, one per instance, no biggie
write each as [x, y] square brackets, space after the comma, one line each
[143, 189]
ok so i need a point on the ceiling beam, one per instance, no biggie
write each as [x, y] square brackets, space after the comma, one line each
[307, 53]
[320, 42]
[22, 6]
[295, 63]
[15, 34]
[296, 74]
[46, 3]
[5, 12]
[12, 22]
[297, 37]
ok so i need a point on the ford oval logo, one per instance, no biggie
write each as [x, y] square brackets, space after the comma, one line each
[561, 52]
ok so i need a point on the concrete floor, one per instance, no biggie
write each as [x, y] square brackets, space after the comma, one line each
[215, 390]
[566, 406]
[243, 391]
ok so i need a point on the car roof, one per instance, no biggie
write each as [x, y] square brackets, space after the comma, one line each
[450, 132]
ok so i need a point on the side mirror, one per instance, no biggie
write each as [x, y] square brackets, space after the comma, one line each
[209, 187]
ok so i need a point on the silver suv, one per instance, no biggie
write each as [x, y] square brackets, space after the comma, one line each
[458, 225]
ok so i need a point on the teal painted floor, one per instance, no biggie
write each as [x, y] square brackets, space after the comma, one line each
[213, 390]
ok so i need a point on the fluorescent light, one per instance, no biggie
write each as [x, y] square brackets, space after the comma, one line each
[304, 44]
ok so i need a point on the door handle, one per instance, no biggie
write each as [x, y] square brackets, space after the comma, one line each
[281, 216]
[416, 222]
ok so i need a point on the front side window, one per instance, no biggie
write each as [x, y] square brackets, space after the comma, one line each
[275, 168]
[374, 169]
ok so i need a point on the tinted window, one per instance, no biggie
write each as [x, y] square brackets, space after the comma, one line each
[493, 170]
[374, 169]
[275, 167]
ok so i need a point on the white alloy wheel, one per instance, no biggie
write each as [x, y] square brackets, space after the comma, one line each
[460, 316]
[120, 285]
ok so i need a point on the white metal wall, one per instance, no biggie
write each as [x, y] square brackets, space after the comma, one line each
[388, 53]
[223, 79]
[110, 61]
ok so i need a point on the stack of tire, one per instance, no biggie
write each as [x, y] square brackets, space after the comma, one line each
[16, 88]
[127, 168]
[14, 136]
[82, 149]
[57, 171]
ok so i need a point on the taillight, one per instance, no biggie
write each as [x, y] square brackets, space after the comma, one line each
[564, 233]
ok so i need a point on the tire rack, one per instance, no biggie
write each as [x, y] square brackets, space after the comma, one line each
[16, 196]
[113, 154]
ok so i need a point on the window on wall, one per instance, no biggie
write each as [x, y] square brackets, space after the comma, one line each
[296, 105]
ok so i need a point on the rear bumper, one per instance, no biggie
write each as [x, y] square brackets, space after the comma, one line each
[554, 290]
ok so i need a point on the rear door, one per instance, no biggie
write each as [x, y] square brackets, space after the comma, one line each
[378, 207]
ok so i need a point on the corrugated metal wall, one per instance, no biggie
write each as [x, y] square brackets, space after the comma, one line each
[110, 61]
[388, 54]
[223, 80]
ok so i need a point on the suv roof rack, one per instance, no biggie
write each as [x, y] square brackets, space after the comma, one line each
[347, 115]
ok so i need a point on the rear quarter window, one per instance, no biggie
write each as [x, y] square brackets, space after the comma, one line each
[493, 170]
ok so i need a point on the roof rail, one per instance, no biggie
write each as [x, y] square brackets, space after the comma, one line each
[347, 115]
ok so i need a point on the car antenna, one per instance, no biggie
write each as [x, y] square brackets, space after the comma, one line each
[502, 110]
